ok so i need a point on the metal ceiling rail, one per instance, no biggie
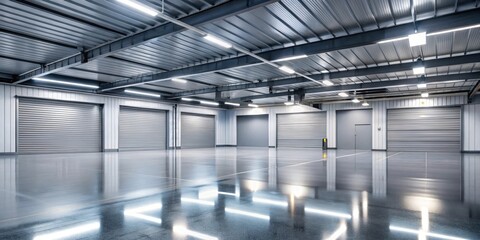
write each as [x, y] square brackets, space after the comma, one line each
[473, 58]
[221, 11]
[374, 85]
[438, 24]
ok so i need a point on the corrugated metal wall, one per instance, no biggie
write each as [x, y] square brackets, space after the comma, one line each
[471, 127]
[142, 129]
[111, 107]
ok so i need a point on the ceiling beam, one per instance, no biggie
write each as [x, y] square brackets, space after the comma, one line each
[373, 85]
[474, 91]
[356, 40]
[221, 11]
[473, 58]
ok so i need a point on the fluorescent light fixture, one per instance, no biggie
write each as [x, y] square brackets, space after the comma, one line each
[143, 217]
[327, 82]
[355, 100]
[328, 213]
[142, 93]
[66, 83]
[69, 232]
[342, 94]
[454, 30]
[417, 39]
[184, 231]
[422, 85]
[289, 103]
[287, 69]
[180, 80]
[140, 7]
[418, 70]
[218, 41]
[291, 58]
[270, 202]
[365, 104]
[335, 235]
[429, 234]
[393, 40]
[187, 99]
[209, 103]
[249, 214]
[324, 71]
[232, 104]
[198, 201]
[146, 208]
[425, 95]
[253, 105]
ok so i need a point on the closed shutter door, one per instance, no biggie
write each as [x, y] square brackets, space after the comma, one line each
[142, 129]
[46, 126]
[301, 130]
[424, 129]
[198, 131]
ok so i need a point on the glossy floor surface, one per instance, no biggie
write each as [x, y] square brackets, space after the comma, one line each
[241, 193]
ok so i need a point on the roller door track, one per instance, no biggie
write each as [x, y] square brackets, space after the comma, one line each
[142, 129]
[424, 129]
[197, 131]
[46, 126]
[300, 130]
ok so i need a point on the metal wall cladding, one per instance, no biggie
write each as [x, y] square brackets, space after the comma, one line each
[424, 129]
[301, 129]
[197, 131]
[471, 125]
[142, 129]
[46, 126]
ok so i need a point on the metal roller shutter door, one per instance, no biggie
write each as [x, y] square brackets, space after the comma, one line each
[47, 126]
[198, 131]
[424, 129]
[142, 129]
[252, 131]
[301, 129]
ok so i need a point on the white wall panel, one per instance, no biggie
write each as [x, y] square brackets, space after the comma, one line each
[471, 127]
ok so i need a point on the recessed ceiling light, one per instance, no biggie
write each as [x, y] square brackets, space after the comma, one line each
[287, 69]
[424, 95]
[290, 58]
[418, 70]
[327, 82]
[232, 104]
[417, 39]
[142, 93]
[180, 80]
[355, 100]
[253, 105]
[342, 94]
[65, 83]
[140, 7]
[218, 41]
[422, 85]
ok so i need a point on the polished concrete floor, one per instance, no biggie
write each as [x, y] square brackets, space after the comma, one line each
[241, 193]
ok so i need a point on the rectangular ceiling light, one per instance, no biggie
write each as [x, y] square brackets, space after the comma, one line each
[291, 58]
[418, 70]
[287, 69]
[424, 95]
[325, 71]
[232, 104]
[180, 80]
[422, 85]
[269, 201]
[65, 83]
[140, 7]
[187, 99]
[417, 39]
[328, 213]
[218, 41]
[181, 230]
[209, 103]
[197, 201]
[245, 213]
[142, 93]
[342, 94]
[69, 232]
[365, 104]
[328, 83]
[253, 105]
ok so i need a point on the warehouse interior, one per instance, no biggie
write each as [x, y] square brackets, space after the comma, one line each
[239, 119]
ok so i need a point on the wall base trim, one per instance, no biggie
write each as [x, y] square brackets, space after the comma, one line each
[226, 145]
[383, 150]
[111, 150]
[8, 153]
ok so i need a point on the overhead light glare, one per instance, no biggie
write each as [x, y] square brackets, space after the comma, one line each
[218, 41]
[422, 85]
[328, 83]
[343, 94]
[188, 99]
[143, 217]
[365, 104]
[417, 39]
[142, 93]
[424, 95]
[140, 7]
[69, 232]
[198, 201]
[253, 105]
[425, 233]
[146, 208]
[328, 213]
[287, 69]
[180, 80]
[355, 100]
[291, 58]
[209, 103]
[184, 231]
[269, 201]
[341, 230]
[418, 70]
[65, 83]
[249, 214]
[232, 104]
